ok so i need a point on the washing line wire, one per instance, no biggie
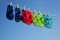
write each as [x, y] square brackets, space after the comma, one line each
[9, 3]
[24, 7]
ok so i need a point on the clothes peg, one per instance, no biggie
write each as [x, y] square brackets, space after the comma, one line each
[9, 13]
[17, 14]
[24, 15]
[29, 17]
[40, 19]
[35, 22]
[47, 21]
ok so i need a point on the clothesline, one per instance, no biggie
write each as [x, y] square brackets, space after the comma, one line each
[22, 8]
[27, 17]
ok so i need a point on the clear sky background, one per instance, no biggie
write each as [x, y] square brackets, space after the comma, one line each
[10, 30]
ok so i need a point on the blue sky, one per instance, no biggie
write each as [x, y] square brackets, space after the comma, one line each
[10, 30]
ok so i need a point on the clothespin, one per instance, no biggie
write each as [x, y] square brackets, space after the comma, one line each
[10, 3]
[34, 10]
[39, 12]
[45, 13]
[48, 14]
[24, 8]
[17, 6]
[28, 9]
